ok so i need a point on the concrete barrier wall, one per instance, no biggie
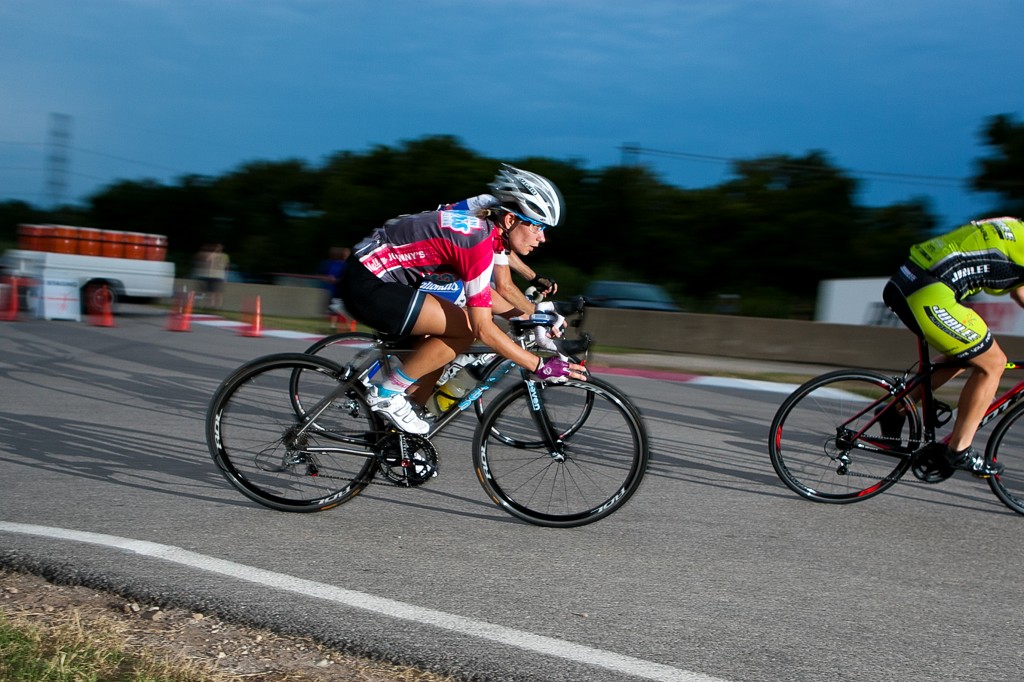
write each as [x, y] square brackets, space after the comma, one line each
[278, 301]
[819, 343]
[884, 348]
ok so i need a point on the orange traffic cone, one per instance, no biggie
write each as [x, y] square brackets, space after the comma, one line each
[9, 310]
[105, 316]
[254, 328]
[341, 323]
[180, 319]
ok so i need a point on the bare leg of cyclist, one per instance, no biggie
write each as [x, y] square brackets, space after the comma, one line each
[447, 331]
[977, 395]
[456, 337]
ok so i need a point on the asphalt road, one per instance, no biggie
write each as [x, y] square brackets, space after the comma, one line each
[713, 571]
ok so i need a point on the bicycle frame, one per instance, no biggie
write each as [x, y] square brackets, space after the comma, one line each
[921, 380]
[370, 361]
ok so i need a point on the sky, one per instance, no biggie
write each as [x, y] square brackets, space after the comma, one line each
[894, 93]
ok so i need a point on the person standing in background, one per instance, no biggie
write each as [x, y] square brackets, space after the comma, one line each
[329, 271]
[212, 270]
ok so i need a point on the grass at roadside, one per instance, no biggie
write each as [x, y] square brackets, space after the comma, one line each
[67, 652]
[64, 633]
[311, 325]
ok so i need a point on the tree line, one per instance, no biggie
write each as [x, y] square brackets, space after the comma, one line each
[770, 233]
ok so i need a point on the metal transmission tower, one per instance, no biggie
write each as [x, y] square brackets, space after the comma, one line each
[58, 148]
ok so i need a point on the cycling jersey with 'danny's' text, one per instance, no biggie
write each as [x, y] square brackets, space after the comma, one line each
[438, 246]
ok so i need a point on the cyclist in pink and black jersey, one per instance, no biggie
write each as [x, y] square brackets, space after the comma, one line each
[380, 286]
[505, 261]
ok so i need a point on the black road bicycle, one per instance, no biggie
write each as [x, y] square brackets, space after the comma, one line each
[837, 438]
[341, 348]
[293, 431]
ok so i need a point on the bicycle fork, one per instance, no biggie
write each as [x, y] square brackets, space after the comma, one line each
[552, 441]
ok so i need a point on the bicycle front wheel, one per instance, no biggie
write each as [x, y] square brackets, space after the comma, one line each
[500, 377]
[579, 472]
[568, 424]
[814, 442]
[1006, 446]
[265, 448]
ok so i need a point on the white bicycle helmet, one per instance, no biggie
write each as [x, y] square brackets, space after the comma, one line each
[537, 197]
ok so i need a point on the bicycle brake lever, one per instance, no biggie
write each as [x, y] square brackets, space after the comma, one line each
[574, 347]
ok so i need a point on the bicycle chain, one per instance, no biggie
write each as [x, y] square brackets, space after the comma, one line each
[381, 477]
[901, 478]
[897, 479]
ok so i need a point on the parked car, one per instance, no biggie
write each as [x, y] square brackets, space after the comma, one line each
[635, 295]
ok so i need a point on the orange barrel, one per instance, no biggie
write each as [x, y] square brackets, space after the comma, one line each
[156, 247]
[30, 237]
[45, 238]
[134, 245]
[89, 243]
[65, 239]
[112, 246]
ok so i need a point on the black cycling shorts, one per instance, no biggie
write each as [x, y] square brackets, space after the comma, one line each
[388, 307]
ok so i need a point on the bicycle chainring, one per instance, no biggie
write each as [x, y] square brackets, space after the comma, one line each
[931, 467]
[406, 460]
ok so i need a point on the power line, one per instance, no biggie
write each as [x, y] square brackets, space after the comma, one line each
[906, 178]
[93, 152]
[135, 161]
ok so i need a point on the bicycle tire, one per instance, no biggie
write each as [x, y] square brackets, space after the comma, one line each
[251, 427]
[812, 451]
[481, 403]
[605, 459]
[480, 406]
[341, 348]
[1005, 446]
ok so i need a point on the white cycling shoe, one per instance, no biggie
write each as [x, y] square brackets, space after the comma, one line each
[398, 410]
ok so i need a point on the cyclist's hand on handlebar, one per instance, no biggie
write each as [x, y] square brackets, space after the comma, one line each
[558, 326]
[545, 339]
[555, 370]
[546, 286]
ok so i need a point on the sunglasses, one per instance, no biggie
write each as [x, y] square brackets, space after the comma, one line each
[536, 224]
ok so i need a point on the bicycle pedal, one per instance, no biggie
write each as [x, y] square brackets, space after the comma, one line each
[931, 466]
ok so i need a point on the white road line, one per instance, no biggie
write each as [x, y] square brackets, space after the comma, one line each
[547, 646]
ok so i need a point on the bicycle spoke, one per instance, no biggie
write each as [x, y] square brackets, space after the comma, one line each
[814, 442]
[1006, 446]
[588, 473]
[264, 448]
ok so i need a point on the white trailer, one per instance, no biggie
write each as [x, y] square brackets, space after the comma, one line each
[97, 276]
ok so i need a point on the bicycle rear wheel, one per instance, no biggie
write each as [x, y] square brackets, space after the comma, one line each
[255, 434]
[1006, 446]
[342, 348]
[814, 445]
[590, 471]
[339, 348]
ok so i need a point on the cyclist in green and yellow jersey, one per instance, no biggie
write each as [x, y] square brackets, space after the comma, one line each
[927, 294]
